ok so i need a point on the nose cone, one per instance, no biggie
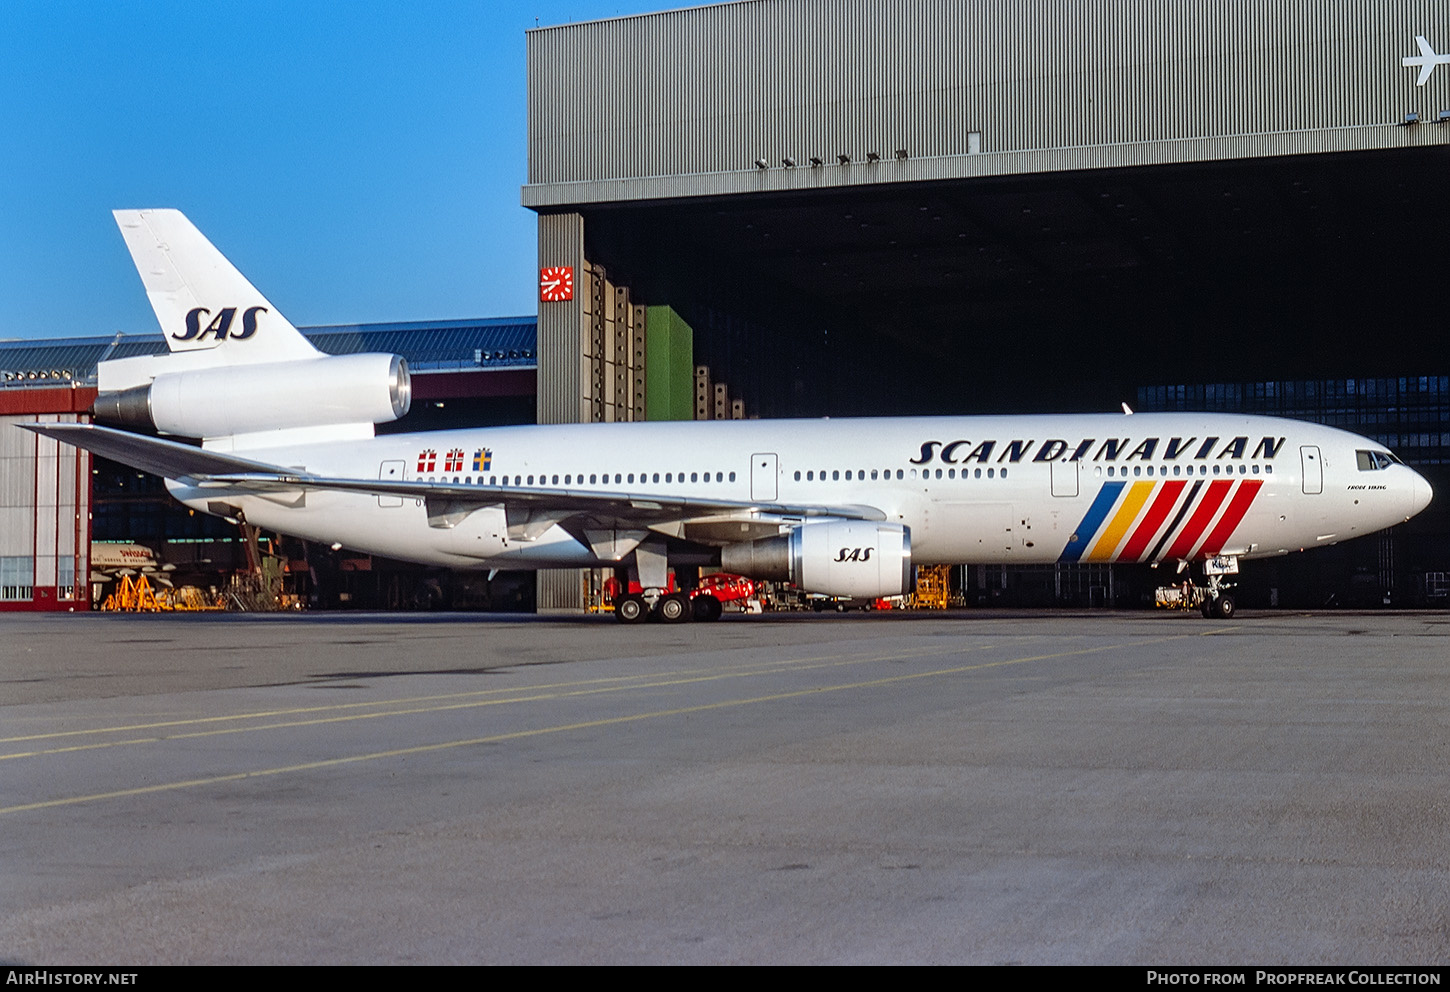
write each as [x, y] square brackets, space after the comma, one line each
[1421, 494]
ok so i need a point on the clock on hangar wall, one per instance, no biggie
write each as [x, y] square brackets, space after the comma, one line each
[556, 283]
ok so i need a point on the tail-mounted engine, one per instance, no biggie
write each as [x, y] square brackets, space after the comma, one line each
[853, 558]
[244, 399]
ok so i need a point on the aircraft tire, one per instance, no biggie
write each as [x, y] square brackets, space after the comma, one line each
[673, 609]
[630, 609]
[1224, 607]
[706, 607]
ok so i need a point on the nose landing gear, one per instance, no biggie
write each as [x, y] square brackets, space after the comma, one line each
[1218, 601]
[1220, 607]
[1215, 600]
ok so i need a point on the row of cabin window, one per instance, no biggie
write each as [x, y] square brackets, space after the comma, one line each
[993, 473]
[860, 474]
[620, 478]
[1177, 470]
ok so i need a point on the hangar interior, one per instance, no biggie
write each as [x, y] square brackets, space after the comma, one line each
[1052, 293]
[899, 208]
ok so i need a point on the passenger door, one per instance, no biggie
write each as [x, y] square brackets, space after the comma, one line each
[1064, 478]
[764, 471]
[1312, 469]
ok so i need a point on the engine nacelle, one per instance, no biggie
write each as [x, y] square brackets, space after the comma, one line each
[855, 558]
[245, 399]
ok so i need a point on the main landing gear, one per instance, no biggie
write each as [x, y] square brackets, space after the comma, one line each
[650, 570]
[675, 607]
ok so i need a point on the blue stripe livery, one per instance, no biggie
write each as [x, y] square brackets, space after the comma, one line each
[1107, 496]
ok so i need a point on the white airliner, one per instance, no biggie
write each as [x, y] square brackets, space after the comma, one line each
[840, 507]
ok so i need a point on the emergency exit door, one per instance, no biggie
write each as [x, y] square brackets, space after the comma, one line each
[390, 472]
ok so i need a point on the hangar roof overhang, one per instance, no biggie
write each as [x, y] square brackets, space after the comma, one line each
[893, 168]
[450, 359]
[486, 344]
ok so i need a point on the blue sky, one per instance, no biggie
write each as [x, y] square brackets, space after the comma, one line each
[359, 161]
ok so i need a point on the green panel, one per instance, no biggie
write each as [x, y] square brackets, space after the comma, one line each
[669, 366]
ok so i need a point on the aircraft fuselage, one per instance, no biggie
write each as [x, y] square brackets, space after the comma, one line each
[1027, 489]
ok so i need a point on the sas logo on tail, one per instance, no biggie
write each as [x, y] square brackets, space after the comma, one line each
[220, 325]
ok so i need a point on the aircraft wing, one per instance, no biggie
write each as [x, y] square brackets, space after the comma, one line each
[212, 469]
[168, 459]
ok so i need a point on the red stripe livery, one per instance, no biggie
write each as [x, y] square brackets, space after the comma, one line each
[1237, 507]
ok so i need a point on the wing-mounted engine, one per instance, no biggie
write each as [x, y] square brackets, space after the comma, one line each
[855, 558]
[228, 400]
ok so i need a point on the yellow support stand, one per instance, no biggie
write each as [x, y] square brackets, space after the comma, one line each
[134, 597]
[933, 587]
[138, 597]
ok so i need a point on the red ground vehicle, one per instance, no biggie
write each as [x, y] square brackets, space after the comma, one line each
[725, 587]
[705, 599]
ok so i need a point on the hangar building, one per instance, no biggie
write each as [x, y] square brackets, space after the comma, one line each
[962, 206]
[59, 505]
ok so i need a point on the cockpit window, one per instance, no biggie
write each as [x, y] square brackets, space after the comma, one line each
[1373, 461]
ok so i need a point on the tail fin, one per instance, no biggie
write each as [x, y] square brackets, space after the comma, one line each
[201, 300]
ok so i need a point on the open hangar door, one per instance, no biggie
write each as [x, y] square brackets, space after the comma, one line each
[928, 206]
[1073, 292]
[1053, 292]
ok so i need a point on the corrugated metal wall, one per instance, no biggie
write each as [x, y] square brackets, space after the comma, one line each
[696, 96]
[562, 330]
[44, 518]
[592, 367]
